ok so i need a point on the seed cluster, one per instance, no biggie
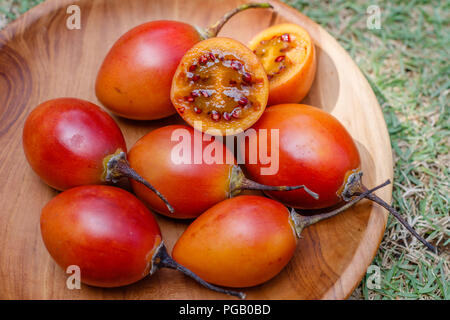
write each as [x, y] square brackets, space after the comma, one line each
[215, 75]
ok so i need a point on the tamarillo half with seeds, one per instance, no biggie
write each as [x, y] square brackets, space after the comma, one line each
[177, 160]
[220, 87]
[110, 235]
[71, 142]
[315, 150]
[245, 241]
[288, 55]
[135, 77]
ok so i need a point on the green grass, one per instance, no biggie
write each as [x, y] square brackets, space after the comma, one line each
[406, 62]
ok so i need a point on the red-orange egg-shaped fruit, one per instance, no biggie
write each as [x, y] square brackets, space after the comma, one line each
[105, 231]
[67, 140]
[135, 78]
[314, 149]
[240, 242]
[190, 182]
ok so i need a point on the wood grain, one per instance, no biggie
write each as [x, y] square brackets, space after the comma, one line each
[41, 59]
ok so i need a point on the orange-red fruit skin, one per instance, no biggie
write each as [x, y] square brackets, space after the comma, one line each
[65, 141]
[135, 78]
[240, 242]
[314, 149]
[190, 188]
[105, 231]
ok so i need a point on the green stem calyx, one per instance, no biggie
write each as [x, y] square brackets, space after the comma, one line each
[239, 182]
[162, 259]
[117, 167]
[214, 29]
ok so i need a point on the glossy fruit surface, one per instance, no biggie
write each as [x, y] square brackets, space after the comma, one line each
[220, 85]
[105, 231]
[66, 141]
[135, 77]
[288, 55]
[314, 149]
[190, 188]
[240, 242]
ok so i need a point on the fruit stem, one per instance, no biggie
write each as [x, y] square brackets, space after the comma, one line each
[118, 167]
[397, 215]
[302, 222]
[354, 187]
[239, 182]
[214, 29]
[162, 259]
[248, 184]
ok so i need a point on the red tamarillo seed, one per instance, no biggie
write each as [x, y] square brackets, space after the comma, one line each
[203, 59]
[236, 112]
[243, 101]
[215, 115]
[247, 77]
[197, 110]
[192, 67]
[285, 37]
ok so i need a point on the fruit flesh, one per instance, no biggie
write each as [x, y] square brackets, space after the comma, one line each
[280, 53]
[66, 140]
[190, 187]
[221, 85]
[104, 230]
[314, 149]
[288, 55]
[240, 242]
[135, 78]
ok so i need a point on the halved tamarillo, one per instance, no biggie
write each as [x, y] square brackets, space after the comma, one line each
[244, 241]
[316, 150]
[194, 171]
[220, 87]
[71, 142]
[288, 56]
[135, 77]
[109, 234]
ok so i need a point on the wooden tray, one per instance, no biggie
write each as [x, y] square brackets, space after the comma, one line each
[41, 59]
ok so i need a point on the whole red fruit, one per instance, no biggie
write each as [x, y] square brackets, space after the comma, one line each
[105, 231]
[314, 149]
[66, 141]
[135, 78]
